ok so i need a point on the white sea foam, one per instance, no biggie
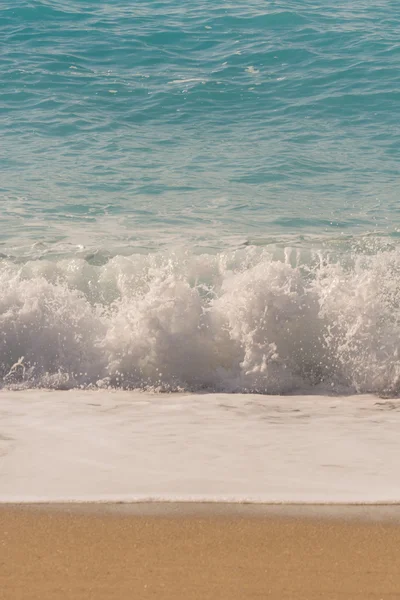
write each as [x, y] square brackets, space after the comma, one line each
[117, 445]
[252, 70]
[188, 80]
[245, 321]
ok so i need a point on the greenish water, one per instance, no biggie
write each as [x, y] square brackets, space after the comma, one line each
[200, 195]
[155, 123]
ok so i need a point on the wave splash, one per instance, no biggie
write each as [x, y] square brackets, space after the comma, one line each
[243, 321]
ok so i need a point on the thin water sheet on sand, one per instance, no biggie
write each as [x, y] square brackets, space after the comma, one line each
[127, 446]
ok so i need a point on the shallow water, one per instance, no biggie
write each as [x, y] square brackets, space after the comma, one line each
[199, 198]
[139, 126]
[69, 446]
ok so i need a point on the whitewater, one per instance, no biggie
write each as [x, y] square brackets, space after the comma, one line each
[221, 335]
[121, 446]
[199, 251]
[244, 321]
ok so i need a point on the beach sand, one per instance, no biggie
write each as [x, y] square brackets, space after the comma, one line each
[176, 552]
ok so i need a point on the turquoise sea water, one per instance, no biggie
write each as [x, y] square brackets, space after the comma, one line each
[200, 195]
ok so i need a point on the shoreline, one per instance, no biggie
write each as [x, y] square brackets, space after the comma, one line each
[189, 551]
[359, 511]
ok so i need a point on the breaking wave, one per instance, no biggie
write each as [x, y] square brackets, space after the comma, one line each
[243, 321]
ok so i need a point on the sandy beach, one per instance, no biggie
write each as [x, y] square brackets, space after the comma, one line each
[94, 552]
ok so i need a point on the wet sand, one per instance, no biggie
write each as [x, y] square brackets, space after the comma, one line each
[177, 552]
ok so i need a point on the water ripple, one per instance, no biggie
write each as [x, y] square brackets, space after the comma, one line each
[163, 110]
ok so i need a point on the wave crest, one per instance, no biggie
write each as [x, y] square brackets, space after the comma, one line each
[235, 322]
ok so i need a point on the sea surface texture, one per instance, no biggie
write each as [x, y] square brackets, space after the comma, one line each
[200, 196]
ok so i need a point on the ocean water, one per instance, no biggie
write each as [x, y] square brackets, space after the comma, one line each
[199, 198]
[134, 446]
[142, 126]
